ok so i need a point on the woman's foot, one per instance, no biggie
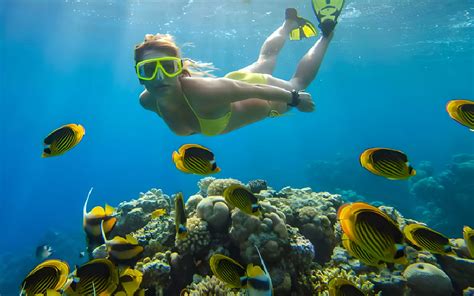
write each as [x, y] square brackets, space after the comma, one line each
[327, 12]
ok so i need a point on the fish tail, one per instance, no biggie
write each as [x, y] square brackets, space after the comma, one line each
[175, 156]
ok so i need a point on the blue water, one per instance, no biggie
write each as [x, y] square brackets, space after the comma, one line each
[384, 81]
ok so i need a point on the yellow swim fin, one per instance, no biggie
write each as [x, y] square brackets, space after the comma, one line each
[327, 12]
[305, 28]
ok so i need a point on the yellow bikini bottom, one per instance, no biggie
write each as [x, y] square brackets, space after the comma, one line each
[249, 77]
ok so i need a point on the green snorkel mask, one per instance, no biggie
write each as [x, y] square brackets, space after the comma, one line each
[158, 68]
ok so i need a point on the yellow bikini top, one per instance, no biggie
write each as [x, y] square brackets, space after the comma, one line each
[209, 127]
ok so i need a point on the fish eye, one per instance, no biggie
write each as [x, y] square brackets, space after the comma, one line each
[399, 254]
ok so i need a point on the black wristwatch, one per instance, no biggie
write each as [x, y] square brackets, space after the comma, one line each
[295, 98]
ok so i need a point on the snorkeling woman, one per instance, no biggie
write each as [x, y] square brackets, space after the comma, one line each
[190, 103]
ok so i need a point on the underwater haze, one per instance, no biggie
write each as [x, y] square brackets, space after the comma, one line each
[384, 82]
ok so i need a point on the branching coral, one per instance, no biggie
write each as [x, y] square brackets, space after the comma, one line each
[197, 239]
[210, 286]
[319, 280]
[156, 271]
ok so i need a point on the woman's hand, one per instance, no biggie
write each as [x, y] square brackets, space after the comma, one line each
[306, 102]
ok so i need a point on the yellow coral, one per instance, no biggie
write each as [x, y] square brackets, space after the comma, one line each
[211, 286]
[319, 280]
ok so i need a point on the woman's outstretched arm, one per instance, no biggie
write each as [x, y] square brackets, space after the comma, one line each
[223, 90]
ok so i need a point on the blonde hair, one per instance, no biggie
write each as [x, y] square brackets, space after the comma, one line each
[166, 43]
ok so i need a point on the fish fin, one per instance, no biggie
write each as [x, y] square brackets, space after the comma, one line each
[102, 231]
[109, 210]
[98, 211]
[84, 209]
[22, 289]
[254, 271]
[175, 156]
[344, 215]
[80, 129]
[131, 239]
[261, 260]
[109, 224]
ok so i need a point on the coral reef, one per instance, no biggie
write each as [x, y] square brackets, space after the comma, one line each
[460, 270]
[198, 237]
[214, 210]
[314, 214]
[445, 193]
[297, 234]
[156, 271]
[203, 185]
[217, 186]
[134, 214]
[427, 279]
[210, 286]
[302, 250]
[157, 235]
[192, 203]
[317, 280]
[257, 185]
[269, 234]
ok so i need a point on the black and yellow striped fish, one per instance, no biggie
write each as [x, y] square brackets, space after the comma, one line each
[96, 277]
[374, 231]
[462, 111]
[195, 159]
[343, 287]
[240, 197]
[426, 238]
[259, 281]
[468, 235]
[123, 251]
[92, 222]
[180, 216]
[63, 139]
[48, 278]
[359, 252]
[129, 283]
[389, 163]
[228, 270]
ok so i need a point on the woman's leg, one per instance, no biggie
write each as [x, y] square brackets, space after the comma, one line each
[309, 65]
[271, 47]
